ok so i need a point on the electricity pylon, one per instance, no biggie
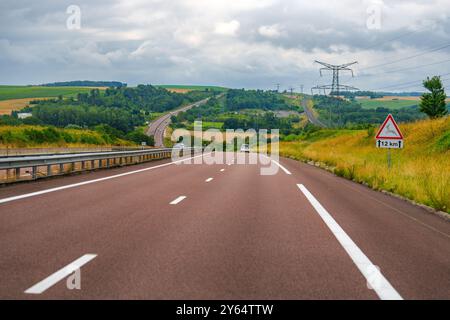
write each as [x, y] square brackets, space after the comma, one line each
[278, 87]
[292, 91]
[335, 87]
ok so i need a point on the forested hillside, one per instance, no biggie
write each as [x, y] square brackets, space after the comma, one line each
[255, 99]
[242, 109]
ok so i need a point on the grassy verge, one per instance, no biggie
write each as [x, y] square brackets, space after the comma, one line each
[420, 172]
[43, 137]
[168, 138]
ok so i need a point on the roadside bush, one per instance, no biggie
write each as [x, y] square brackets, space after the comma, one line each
[138, 137]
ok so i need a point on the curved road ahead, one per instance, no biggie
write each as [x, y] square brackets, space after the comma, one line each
[223, 231]
[310, 115]
[158, 127]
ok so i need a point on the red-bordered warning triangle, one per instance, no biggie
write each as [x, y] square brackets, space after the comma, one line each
[389, 129]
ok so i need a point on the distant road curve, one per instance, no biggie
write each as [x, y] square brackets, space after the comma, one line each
[158, 127]
[310, 115]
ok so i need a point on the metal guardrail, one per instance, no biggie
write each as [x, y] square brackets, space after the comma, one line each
[86, 161]
[30, 152]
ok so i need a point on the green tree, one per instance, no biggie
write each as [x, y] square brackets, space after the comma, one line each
[433, 103]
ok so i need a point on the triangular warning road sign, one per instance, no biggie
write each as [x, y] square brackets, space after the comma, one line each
[389, 129]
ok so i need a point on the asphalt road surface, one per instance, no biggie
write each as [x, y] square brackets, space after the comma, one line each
[222, 231]
[158, 127]
[310, 115]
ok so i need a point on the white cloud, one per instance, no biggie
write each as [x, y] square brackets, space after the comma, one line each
[273, 31]
[227, 28]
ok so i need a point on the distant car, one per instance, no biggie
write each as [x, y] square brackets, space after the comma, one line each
[179, 146]
[245, 148]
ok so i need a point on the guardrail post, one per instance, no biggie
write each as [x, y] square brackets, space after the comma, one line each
[107, 163]
[49, 170]
[99, 163]
[61, 168]
[92, 164]
[17, 173]
[83, 165]
[33, 172]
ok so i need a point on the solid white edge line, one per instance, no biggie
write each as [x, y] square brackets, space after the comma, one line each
[32, 194]
[278, 164]
[54, 278]
[178, 200]
[282, 167]
[371, 272]
[209, 179]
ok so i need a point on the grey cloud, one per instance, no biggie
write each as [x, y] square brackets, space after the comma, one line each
[174, 41]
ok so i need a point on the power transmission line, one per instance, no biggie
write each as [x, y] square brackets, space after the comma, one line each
[417, 67]
[404, 69]
[410, 82]
[417, 85]
[409, 57]
[377, 44]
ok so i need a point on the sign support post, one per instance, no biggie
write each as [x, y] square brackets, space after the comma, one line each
[389, 158]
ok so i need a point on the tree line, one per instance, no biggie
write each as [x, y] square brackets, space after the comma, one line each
[238, 99]
[85, 83]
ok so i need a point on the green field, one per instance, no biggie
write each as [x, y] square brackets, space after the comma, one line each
[22, 92]
[389, 104]
[190, 87]
[207, 125]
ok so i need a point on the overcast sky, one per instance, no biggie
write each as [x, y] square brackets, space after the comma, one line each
[234, 43]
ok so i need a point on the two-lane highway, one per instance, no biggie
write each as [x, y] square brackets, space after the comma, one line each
[158, 127]
[222, 231]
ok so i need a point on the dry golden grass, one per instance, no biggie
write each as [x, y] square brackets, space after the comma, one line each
[179, 90]
[420, 171]
[411, 98]
[7, 106]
